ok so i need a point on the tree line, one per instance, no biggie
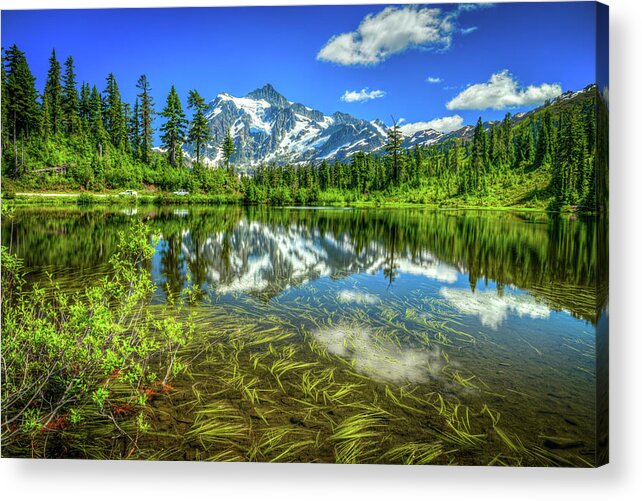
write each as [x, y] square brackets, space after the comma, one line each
[107, 141]
[551, 153]
[555, 147]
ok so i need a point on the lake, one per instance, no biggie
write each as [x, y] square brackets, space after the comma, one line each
[362, 335]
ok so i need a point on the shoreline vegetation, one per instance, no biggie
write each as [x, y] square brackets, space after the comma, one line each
[74, 364]
[104, 199]
[74, 138]
[159, 199]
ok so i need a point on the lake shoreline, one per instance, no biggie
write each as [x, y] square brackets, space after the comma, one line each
[158, 198]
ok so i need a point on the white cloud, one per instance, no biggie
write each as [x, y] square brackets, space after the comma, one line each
[501, 92]
[353, 96]
[443, 124]
[389, 32]
[434, 80]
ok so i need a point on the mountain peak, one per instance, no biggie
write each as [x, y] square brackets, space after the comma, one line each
[269, 94]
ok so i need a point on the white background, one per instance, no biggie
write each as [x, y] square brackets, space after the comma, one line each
[44, 480]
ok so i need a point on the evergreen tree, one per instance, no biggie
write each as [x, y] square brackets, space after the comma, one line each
[84, 105]
[507, 145]
[228, 148]
[455, 161]
[19, 99]
[544, 152]
[19, 96]
[324, 175]
[494, 147]
[393, 147]
[418, 158]
[146, 110]
[133, 129]
[46, 126]
[199, 132]
[4, 120]
[569, 182]
[96, 123]
[54, 95]
[71, 119]
[173, 130]
[525, 147]
[478, 159]
[114, 116]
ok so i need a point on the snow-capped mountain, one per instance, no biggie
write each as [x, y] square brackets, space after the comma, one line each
[422, 137]
[267, 127]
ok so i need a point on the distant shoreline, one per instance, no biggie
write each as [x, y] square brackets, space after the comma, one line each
[159, 198]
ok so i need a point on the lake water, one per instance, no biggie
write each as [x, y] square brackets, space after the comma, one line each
[363, 335]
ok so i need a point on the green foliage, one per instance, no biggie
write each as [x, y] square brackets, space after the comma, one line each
[173, 130]
[114, 116]
[199, 132]
[228, 148]
[88, 354]
[53, 96]
[70, 107]
[146, 113]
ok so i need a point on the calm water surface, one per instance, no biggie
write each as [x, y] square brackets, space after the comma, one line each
[486, 309]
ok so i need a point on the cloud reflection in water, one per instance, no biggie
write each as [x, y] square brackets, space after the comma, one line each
[491, 308]
[378, 357]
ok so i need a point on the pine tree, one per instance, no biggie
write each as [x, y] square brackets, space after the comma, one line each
[569, 181]
[324, 175]
[173, 130]
[525, 147]
[199, 132]
[114, 116]
[418, 162]
[19, 99]
[507, 146]
[544, 152]
[20, 95]
[133, 129]
[393, 147]
[479, 158]
[4, 120]
[228, 148]
[455, 160]
[494, 148]
[146, 111]
[53, 92]
[84, 105]
[96, 123]
[71, 119]
[46, 126]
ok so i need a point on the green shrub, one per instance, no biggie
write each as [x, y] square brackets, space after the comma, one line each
[86, 199]
[73, 363]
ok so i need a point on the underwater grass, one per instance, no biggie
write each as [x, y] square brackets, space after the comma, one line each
[260, 386]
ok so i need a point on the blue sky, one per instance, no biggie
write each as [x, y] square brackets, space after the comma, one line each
[483, 61]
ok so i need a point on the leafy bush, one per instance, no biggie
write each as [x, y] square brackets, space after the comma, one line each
[86, 199]
[91, 358]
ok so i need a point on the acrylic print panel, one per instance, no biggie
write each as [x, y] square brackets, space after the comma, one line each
[344, 234]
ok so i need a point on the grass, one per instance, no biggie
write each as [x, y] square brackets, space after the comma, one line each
[272, 392]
